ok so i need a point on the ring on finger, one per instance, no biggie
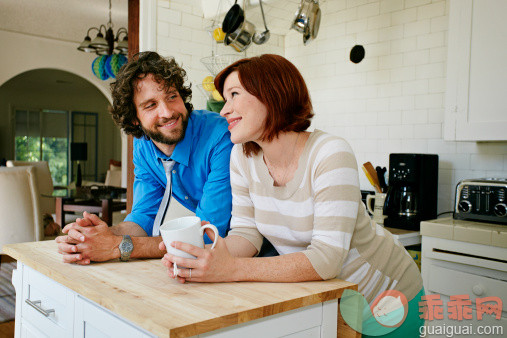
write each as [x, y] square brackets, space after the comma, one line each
[190, 277]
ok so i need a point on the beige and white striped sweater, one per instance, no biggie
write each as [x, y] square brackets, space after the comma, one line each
[320, 213]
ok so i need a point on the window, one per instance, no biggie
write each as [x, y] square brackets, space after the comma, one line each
[42, 135]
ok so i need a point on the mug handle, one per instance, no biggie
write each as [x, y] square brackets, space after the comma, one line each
[368, 204]
[215, 230]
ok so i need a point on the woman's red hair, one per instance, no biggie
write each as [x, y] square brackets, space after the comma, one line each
[279, 85]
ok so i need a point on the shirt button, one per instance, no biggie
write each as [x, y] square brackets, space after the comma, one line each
[174, 171]
[186, 197]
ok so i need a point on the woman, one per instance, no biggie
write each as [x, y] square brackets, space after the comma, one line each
[298, 189]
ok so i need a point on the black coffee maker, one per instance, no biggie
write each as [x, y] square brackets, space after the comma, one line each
[412, 194]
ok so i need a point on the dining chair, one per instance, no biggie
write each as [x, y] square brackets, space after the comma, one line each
[44, 183]
[21, 220]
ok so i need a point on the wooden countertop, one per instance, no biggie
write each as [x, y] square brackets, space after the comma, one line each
[141, 292]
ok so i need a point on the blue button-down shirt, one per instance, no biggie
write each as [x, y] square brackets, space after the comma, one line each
[200, 177]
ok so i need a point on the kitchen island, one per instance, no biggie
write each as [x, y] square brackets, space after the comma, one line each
[138, 299]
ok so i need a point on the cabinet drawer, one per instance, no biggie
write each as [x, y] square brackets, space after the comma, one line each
[451, 282]
[47, 305]
[94, 321]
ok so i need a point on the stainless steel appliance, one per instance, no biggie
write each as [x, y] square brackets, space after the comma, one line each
[412, 194]
[482, 199]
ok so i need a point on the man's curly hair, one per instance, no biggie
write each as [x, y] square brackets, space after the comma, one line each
[165, 71]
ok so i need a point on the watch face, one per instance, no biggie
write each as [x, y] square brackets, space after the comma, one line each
[126, 246]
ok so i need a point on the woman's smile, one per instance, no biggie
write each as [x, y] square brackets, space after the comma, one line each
[233, 122]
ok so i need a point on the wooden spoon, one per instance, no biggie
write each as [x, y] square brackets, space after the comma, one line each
[368, 167]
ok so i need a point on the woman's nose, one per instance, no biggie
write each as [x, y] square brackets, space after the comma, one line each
[225, 110]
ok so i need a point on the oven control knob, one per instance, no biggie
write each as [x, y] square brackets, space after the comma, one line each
[464, 206]
[500, 210]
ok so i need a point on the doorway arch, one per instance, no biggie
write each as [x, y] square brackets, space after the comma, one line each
[58, 90]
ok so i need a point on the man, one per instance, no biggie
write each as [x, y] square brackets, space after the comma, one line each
[151, 103]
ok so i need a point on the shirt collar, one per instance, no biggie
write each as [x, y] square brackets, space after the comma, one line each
[181, 152]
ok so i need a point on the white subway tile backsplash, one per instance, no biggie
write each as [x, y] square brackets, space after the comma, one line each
[416, 3]
[418, 27]
[404, 16]
[389, 6]
[377, 105]
[441, 147]
[414, 116]
[389, 118]
[430, 70]
[381, 21]
[414, 146]
[390, 89]
[401, 132]
[429, 101]
[430, 40]
[417, 57]
[431, 10]
[438, 54]
[390, 33]
[169, 15]
[487, 161]
[439, 24]
[415, 87]
[368, 10]
[403, 45]
[356, 26]
[403, 103]
[436, 115]
[428, 131]
[393, 101]
[378, 77]
[162, 29]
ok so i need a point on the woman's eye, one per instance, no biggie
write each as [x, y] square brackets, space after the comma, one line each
[234, 94]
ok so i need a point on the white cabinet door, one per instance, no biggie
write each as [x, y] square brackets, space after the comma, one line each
[93, 321]
[476, 98]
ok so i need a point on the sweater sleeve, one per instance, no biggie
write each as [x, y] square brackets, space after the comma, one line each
[335, 185]
[243, 215]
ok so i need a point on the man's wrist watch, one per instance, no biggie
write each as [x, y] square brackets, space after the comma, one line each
[126, 246]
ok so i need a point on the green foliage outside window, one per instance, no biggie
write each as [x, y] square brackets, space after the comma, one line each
[54, 151]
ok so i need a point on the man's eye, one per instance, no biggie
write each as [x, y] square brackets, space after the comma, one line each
[151, 105]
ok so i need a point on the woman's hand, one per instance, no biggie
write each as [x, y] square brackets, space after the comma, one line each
[216, 265]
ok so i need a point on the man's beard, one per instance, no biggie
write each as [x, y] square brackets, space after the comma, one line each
[157, 136]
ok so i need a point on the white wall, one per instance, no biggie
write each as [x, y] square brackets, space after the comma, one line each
[393, 101]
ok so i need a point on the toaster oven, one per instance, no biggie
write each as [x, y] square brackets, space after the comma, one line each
[482, 199]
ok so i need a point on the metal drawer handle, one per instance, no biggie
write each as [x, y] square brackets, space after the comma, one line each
[36, 305]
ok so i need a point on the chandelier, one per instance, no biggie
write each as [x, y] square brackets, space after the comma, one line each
[111, 49]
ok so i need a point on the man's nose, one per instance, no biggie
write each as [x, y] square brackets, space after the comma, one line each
[165, 110]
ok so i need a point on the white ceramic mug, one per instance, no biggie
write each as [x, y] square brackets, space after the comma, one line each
[187, 230]
[378, 207]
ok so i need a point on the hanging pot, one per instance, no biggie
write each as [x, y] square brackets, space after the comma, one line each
[233, 19]
[307, 20]
[241, 38]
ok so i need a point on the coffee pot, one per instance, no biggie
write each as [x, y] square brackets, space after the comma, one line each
[412, 194]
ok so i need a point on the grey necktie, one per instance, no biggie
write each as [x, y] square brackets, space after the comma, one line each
[159, 219]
